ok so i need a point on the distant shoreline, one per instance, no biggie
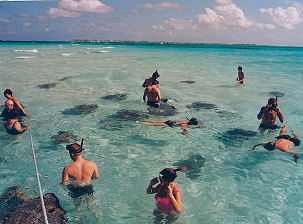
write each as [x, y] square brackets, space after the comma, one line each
[152, 43]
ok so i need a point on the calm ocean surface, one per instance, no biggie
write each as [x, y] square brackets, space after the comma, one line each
[232, 185]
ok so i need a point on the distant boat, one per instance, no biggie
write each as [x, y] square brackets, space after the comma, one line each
[161, 43]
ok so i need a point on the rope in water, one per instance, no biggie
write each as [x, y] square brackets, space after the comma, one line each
[38, 180]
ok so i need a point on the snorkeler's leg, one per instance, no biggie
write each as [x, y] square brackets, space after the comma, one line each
[296, 155]
[77, 203]
[152, 123]
[294, 134]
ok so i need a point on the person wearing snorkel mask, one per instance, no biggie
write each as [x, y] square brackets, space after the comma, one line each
[170, 123]
[152, 80]
[168, 194]
[268, 114]
[80, 172]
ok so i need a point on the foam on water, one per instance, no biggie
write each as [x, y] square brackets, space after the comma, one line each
[29, 51]
[233, 185]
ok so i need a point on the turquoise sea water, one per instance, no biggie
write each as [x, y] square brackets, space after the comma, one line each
[233, 185]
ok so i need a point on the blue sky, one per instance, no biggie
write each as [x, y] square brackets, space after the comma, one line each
[270, 22]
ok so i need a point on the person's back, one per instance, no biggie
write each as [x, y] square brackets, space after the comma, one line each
[81, 171]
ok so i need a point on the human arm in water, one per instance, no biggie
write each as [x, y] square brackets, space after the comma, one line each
[65, 177]
[280, 115]
[19, 128]
[158, 94]
[255, 146]
[175, 198]
[95, 174]
[260, 114]
[144, 95]
[150, 189]
[16, 102]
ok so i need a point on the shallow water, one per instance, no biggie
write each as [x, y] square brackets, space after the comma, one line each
[233, 185]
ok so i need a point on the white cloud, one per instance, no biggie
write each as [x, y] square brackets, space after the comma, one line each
[160, 27]
[84, 6]
[228, 15]
[224, 2]
[74, 8]
[286, 18]
[55, 13]
[5, 21]
[27, 24]
[181, 24]
[161, 6]
[211, 17]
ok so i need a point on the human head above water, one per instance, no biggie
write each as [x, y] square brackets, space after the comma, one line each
[9, 104]
[75, 148]
[192, 121]
[7, 93]
[269, 146]
[272, 101]
[170, 174]
[239, 68]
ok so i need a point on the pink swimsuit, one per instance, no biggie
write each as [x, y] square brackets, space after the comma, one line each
[164, 204]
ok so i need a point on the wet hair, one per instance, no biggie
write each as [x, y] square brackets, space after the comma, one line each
[239, 68]
[269, 146]
[8, 91]
[272, 101]
[156, 74]
[193, 121]
[169, 174]
[74, 148]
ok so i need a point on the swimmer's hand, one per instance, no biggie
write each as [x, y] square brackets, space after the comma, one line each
[138, 122]
[185, 132]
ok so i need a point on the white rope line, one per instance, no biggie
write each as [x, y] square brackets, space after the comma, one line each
[38, 180]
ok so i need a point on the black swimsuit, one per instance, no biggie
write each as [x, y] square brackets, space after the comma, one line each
[78, 191]
[287, 137]
[172, 124]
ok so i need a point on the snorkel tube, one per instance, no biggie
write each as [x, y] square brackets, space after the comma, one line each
[82, 141]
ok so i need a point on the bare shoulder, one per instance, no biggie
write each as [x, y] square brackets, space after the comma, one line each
[90, 163]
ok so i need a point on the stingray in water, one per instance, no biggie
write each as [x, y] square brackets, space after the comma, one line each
[120, 120]
[130, 115]
[81, 109]
[64, 137]
[164, 110]
[274, 93]
[193, 165]
[18, 207]
[115, 97]
[188, 81]
[47, 86]
[236, 135]
[202, 105]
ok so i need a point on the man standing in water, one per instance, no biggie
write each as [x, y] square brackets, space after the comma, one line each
[153, 95]
[80, 172]
[241, 76]
[268, 114]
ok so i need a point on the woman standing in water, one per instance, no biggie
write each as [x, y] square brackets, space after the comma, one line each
[168, 194]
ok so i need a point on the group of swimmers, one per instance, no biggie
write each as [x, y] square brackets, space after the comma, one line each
[12, 114]
[77, 175]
